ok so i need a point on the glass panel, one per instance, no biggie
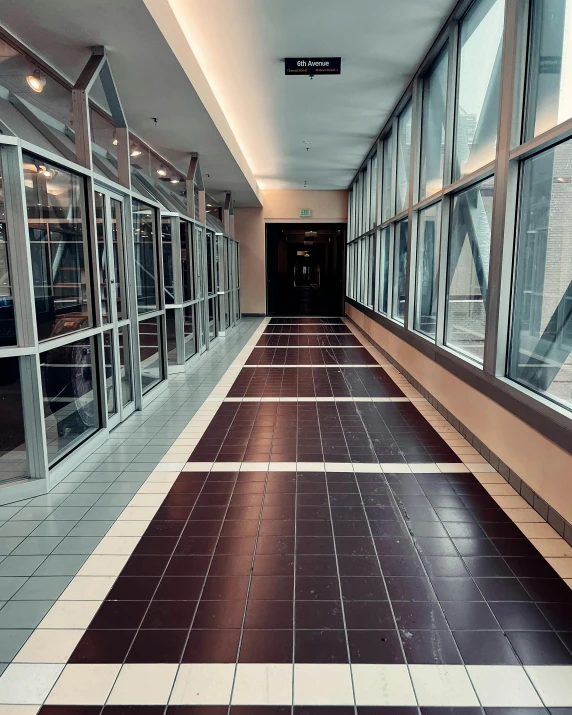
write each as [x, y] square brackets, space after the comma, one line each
[210, 275]
[125, 365]
[13, 461]
[433, 127]
[386, 208]
[145, 256]
[102, 256]
[119, 258]
[168, 270]
[150, 352]
[198, 251]
[186, 260]
[108, 352]
[237, 306]
[373, 177]
[171, 336]
[56, 210]
[541, 345]
[383, 254]
[212, 319]
[189, 331]
[479, 86]
[69, 394]
[7, 320]
[468, 269]
[549, 65]
[427, 271]
[400, 270]
[403, 160]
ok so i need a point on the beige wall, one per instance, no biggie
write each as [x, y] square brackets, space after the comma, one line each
[544, 466]
[279, 207]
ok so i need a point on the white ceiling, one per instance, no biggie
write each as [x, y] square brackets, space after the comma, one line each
[240, 44]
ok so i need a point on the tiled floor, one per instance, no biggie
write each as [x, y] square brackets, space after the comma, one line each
[311, 540]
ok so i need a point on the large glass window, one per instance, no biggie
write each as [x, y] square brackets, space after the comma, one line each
[433, 126]
[168, 269]
[119, 258]
[186, 260]
[549, 65]
[7, 321]
[171, 323]
[383, 270]
[71, 410]
[541, 343]
[150, 352]
[400, 270]
[13, 462]
[403, 159]
[373, 193]
[479, 86]
[427, 270]
[103, 257]
[386, 205]
[58, 244]
[468, 269]
[125, 365]
[210, 270]
[144, 235]
[189, 331]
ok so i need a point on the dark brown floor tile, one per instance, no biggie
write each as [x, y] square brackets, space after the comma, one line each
[102, 646]
[133, 588]
[188, 565]
[274, 588]
[485, 648]
[273, 565]
[219, 614]
[539, 648]
[411, 615]
[169, 614]
[225, 588]
[119, 614]
[470, 615]
[375, 647]
[266, 646]
[320, 646]
[220, 646]
[368, 615]
[157, 646]
[320, 615]
[264, 614]
[410, 589]
[179, 588]
[430, 647]
[146, 565]
[317, 588]
[518, 616]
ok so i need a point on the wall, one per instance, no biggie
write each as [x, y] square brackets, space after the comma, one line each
[278, 207]
[540, 463]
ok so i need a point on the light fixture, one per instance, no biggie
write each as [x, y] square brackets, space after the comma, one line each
[162, 171]
[175, 180]
[36, 82]
[115, 139]
[135, 151]
[48, 173]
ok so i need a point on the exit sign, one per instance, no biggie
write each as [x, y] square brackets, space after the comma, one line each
[305, 213]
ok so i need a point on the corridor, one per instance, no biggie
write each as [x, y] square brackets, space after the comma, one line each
[316, 539]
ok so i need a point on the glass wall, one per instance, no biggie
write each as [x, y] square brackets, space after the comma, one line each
[490, 251]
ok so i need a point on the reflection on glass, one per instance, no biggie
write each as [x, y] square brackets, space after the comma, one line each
[189, 331]
[383, 269]
[102, 256]
[150, 352]
[541, 344]
[237, 306]
[118, 258]
[186, 260]
[199, 253]
[468, 269]
[373, 193]
[145, 257]
[13, 461]
[386, 207]
[400, 270]
[171, 337]
[210, 275]
[427, 270]
[69, 394]
[549, 65]
[125, 365]
[403, 159]
[433, 126]
[212, 319]
[479, 86]
[108, 351]
[168, 270]
[7, 320]
[56, 210]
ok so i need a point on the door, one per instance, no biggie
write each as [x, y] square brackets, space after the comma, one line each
[200, 266]
[116, 338]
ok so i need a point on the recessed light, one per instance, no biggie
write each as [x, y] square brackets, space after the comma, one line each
[36, 82]
[174, 180]
[162, 171]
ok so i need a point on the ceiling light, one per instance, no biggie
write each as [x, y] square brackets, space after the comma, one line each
[162, 171]
[48, 173]
[115, 139]
[135, 151]
[36, 82]
[175, 180]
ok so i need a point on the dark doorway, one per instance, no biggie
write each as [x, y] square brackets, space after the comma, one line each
[305, 269]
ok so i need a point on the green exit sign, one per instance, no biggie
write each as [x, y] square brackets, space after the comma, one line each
[305, 213]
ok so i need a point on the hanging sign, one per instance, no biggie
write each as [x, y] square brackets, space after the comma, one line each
[313, 65]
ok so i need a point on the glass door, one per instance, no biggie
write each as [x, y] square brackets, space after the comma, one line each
[116, 338]
[200, 267]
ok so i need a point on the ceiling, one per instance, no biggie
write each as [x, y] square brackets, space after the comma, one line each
[211, 71]
[240, 45]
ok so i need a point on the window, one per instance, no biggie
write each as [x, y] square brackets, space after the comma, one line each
[168, 268]
[549, 66]
[150, 352]
[71, 412]
[386, 207]
[13, 462]
[400, 270]
[479, 86]
[433, 126]
[373, 206]
[144, 235]
[541, 342]
[186, 261]
[189, 331]
[468, 269]
[427, 271]
[403, 159]
[171, 337]
[383, 270]
[58, 245]
[7, 321]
